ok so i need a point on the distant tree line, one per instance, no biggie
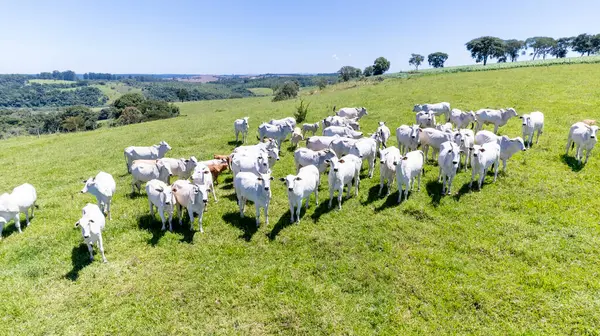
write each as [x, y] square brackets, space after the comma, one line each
[58, 75]
[100, 76]
[178, 91]
[134, 108]
[379, 67]
[71, 119]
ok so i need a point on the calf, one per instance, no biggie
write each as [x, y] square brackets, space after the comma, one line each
[103, 187]
[448, 162]
[342, 131]
[297, 137]
[431, 137]
[92, 224]
[462, 119]
[182, 168]
[584, 136]
[133, 153]
[387, 169]
[256, 188]
[408, 138]
[24, 196]
[202, 176]
[241, 126]
[382, 135]
[216, 169]
[508, 147]
[409, 167]
[425, 119]
[306, 157]
[352, 112]
[484, 157]
[223, 157]
[342, 173]
[366, 150]
[281, 122]
[277, 132]
[439, 109]
[496, 117]
[465, 140]
[318, 143]
[161, 196]
[143, 171]
[300, 187]
[194, 197]
[9, 210]
[532, 122]
[310, 128]
[342, 146]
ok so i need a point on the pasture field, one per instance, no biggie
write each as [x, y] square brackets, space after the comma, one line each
[50, 81]
[262, 91]
[521, 256]
[114, 90]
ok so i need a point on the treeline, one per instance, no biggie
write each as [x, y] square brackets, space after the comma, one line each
[17, 93]
[100, 76]
[273, 81]
[177, 91]
[58, 75]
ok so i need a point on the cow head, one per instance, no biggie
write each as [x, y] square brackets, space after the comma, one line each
[85, 225]
[200, 193]
[88, 184]
[290, 181]
[594, 130]
[165, 195]
[334, 163]
[265, 181]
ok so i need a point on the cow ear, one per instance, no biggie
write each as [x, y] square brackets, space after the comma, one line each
[91, 220]
[281, 179]
[298, 178]
[84, 181]
[405, 158]
[482, 150]
[328, 161]
[159, 190]
[77, 224]
[206, 172]
[259, 178]
[271, 178]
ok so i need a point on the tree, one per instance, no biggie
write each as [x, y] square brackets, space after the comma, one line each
[348, 72]
[368, 71]
[416, 60]
[380, 66]
[73, 124]
[437, 59]
[541, 45]
[301, 112]
[129, 99]
[485, 47]
[288, 90]
[561, 48]
[595, 43]
[183, 94]
[512, 49]
[322, 83]
[130, 115]
[582, 44]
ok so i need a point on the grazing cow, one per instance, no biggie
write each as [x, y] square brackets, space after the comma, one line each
[484, 136]
[194, 197]
[439, 109]
[448, 162]
[277, 132]
[341, 121]
[203, 176]
[266, 145]
[366, 150]
[387, 169]
[282, 122]
[408, 138]
[143, 171]
[24, 196]
[484, 157]
[297, 137]
[496, 117]
[9, 209]
[447, 127]
[310, 128]
[241, 126]
[352, 112]
[92, 224]
[318, 143]
[508, 147]
[342, 173]
[102, 186]
[306, 157]
[161, 196]
[343, 131]
[223, 157]
[182, 168]
[532, 122]
[462, 119]
[465, 140]
[300, 187]
[133, 153]
[342, 146]
[256, 188]
[409, 167]
[431, 137]
[425, 119]
[584, 136]
[382, 135]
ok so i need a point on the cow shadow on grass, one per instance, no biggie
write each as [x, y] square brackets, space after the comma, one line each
[224, 186]
[465, 189]
[153, 225]
[390, 201]
[247, 224]
[572, 163]
[234, 143]
[80, 258]
[373, 194]
[282, 223]
[135, 195]
[323, 208]
[434, 190]
[10, 229]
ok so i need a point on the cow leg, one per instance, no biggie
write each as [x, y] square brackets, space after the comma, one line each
[371, 166]
[569, 141]
[161, 212]
[180, 213]
[267, 214]
[330, 196]
[151, 207]
[108, 208]
[381, 182]
[171, 220]
[91, 250]
[241, 204]
[191, 214]
[257, 207]
[472, 178]
[503, 164]
[419, 182]
[291, 204]
[101, 248]
[340, 195]
[212, 188]
[299, 209]
[200, 215]
[27, 210]
[587, 155]
[496, 129]
[316, 195]
[497, 165]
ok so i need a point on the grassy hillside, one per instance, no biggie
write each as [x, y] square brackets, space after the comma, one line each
[520, 256]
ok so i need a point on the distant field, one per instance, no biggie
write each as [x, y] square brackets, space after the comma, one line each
[521, 256]
[262, 91]
[114, 90]
[50, 81]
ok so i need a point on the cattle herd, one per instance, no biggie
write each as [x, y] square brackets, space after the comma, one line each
[342, 148]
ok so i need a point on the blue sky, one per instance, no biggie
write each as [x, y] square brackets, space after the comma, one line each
[260, 36]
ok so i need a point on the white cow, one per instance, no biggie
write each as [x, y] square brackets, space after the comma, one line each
[387, 169]
[255, 188]
[300, 187]
[183, 168]
[318, 143]
[9, 210]
[92, 224]
[462, 119]
[161, 196]
[202, 176]
[24, 196]
[425, 119]
[277, 132]
[343, 131]
[133, 153]
[297, 136]
[341, 121]
[532, 122]
[409, 167]
[282, 122]
[103, 187]
[254, 162]
[264, 146]
[143, 171]
[496, 117]
[310, 128]
[342, 173]
[382, 135]
[584, 136]
[366, 150]
[465, 139]
[352, 112]
[448, 162]
[342, 146]
[408, 138]
[241, 126]
[484, 157]
[306, 157]
[430, 137]
[508, 147]
[193, 197]
[439, 109]
[447, 127]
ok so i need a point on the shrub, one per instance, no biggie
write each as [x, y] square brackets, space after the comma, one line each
[288, 90]
[130, 115]
[301, 112]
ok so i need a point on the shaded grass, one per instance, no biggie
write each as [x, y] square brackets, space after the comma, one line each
[518, 257]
